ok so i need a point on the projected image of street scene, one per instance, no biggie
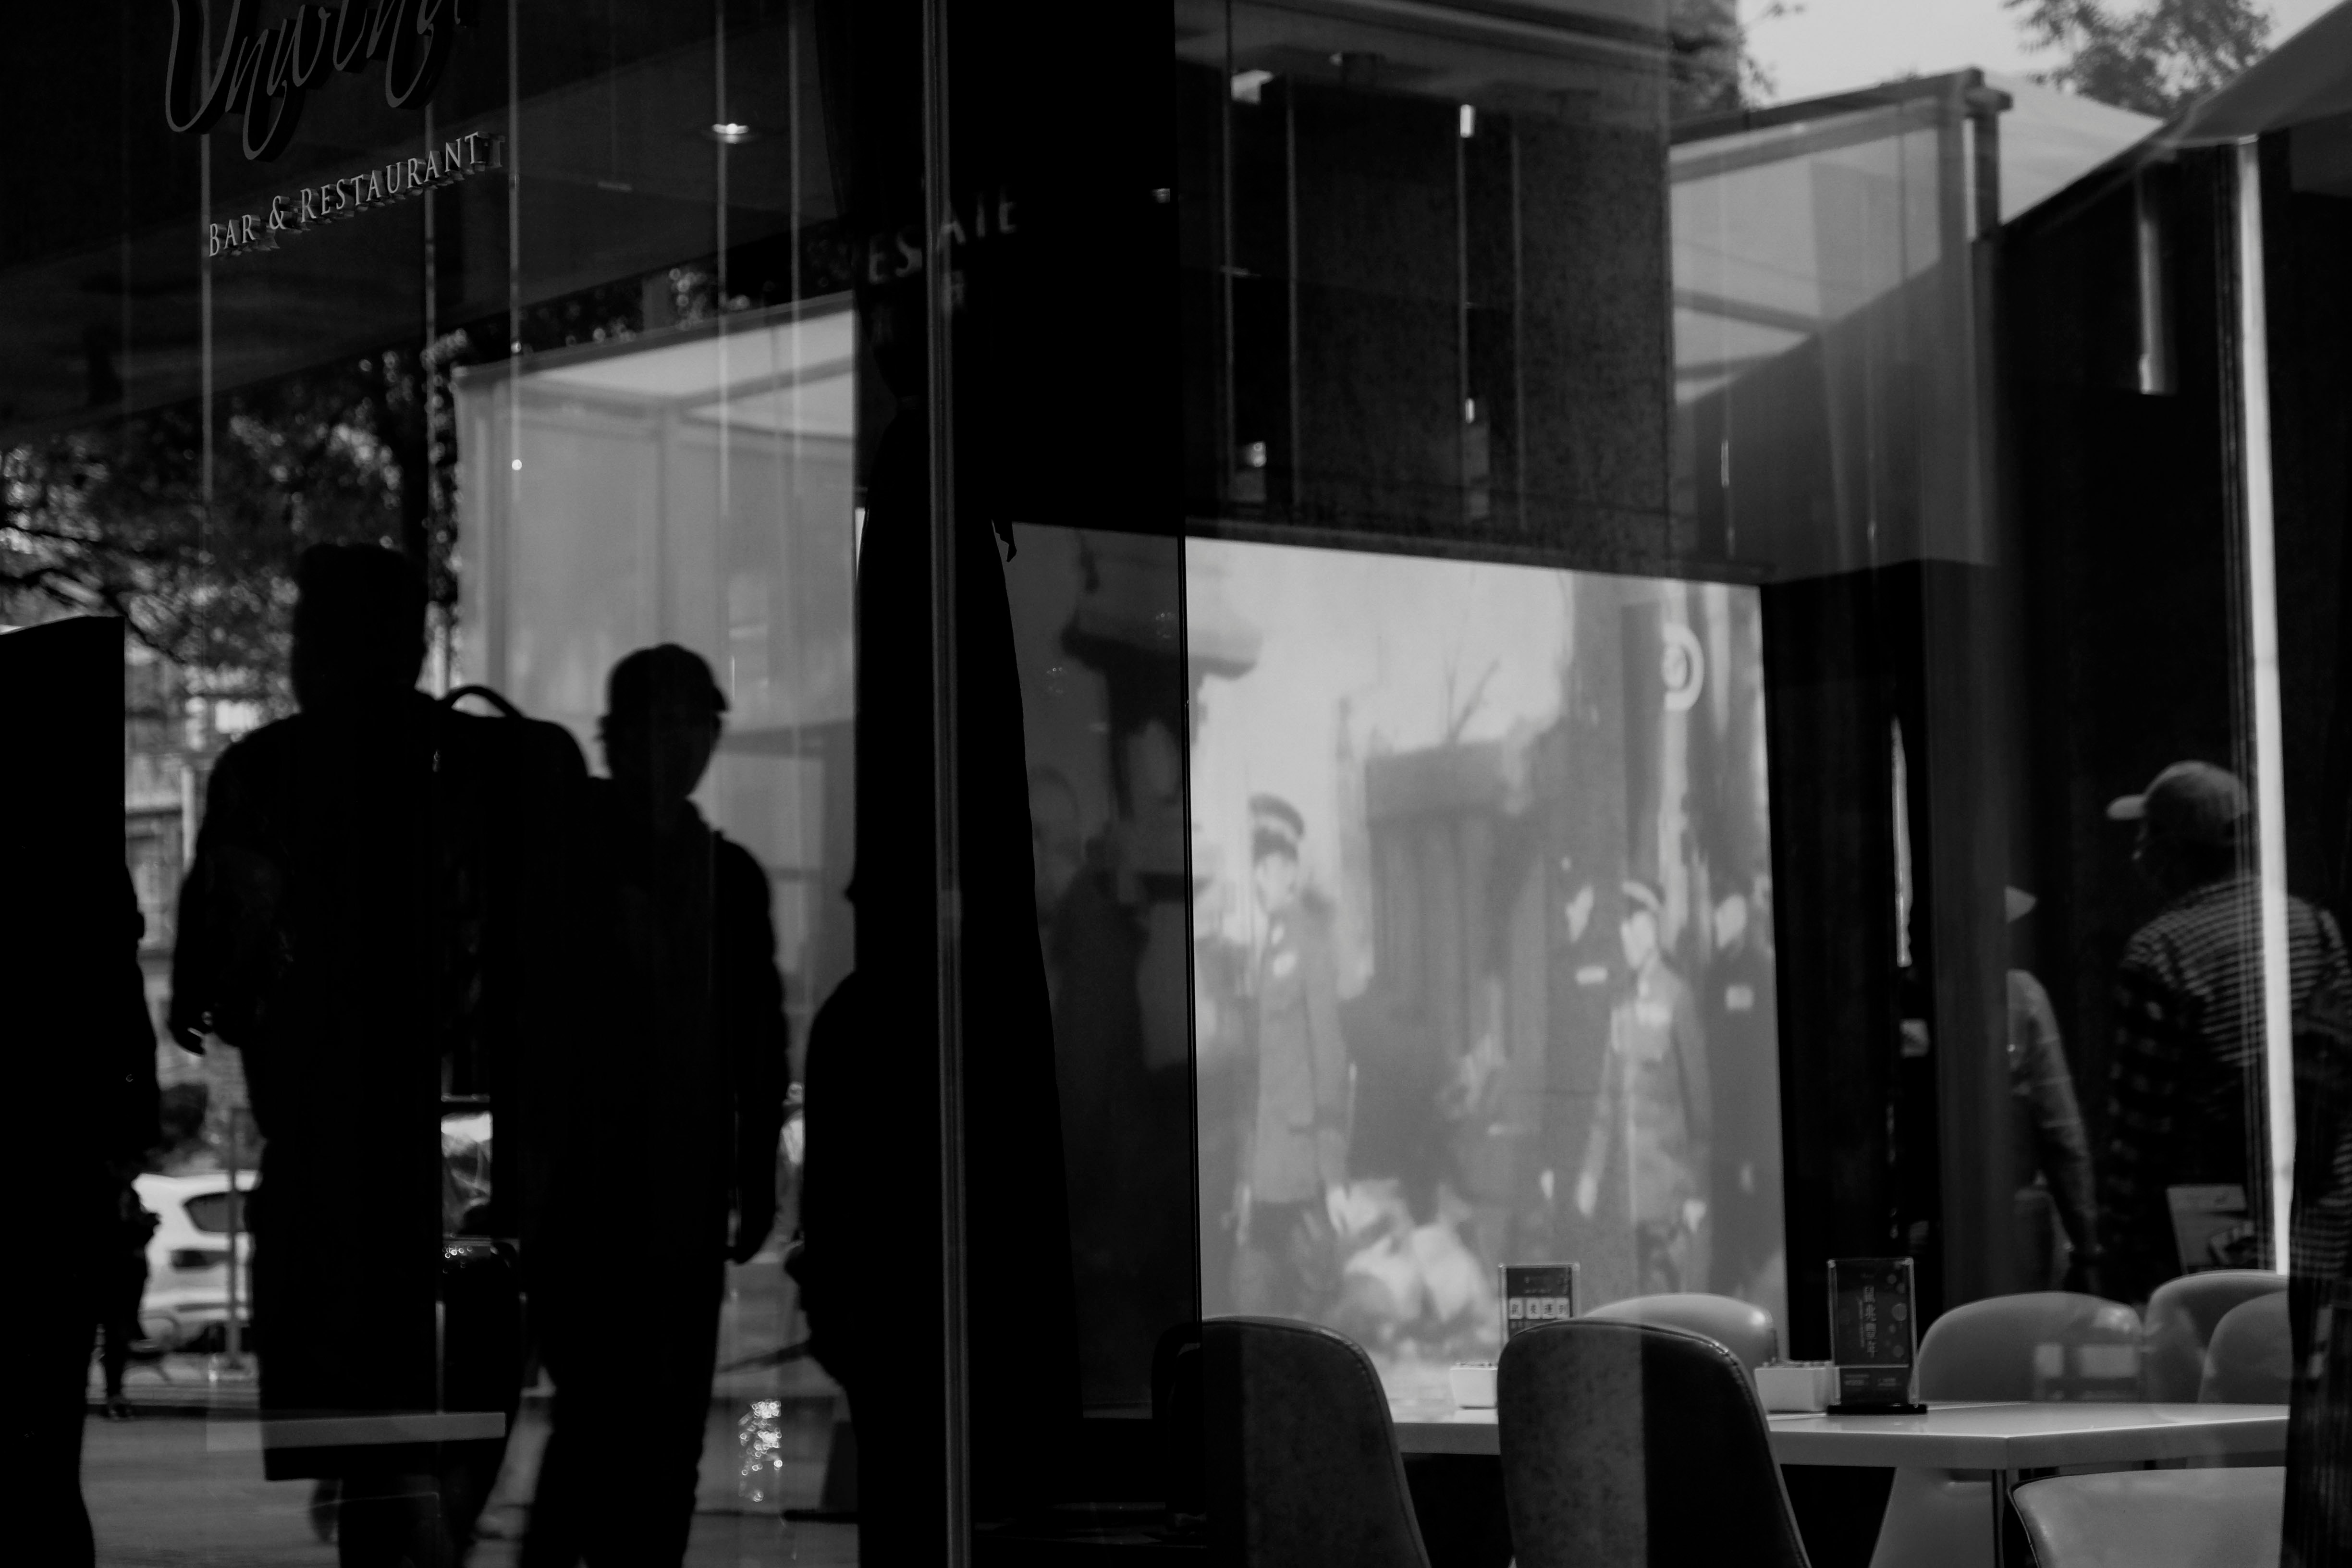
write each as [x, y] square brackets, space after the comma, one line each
[1482, 941]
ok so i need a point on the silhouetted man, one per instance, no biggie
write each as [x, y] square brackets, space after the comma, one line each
[310, 938]
[665, 1156]
[97, 1115]
[2186, 1102]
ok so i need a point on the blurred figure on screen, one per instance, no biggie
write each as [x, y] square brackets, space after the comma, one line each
[1741, 1032]
[1292, 1203]
[1653, 1111]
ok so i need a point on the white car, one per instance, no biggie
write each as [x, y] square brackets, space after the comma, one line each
[187, 1296]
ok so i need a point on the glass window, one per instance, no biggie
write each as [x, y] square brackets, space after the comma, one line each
[827, 714]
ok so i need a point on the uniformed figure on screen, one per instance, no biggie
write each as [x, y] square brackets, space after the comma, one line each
[1296, 1168]
[1652, 1117]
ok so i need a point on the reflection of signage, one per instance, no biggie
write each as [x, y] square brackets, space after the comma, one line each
[1874, 1328]
[261, 73]
[885, 258]
[1535, 1294]
[460, 158]
[1683, 667]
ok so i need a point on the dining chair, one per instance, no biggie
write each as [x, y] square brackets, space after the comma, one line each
[1632, 1444]
[2251, 1359]
[2040, 1345]
[1301, 1468]
[2181, 1320]
[1744, 1329]
[2155, 1518]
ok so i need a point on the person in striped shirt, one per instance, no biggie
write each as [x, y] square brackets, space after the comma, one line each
[2186, 1103]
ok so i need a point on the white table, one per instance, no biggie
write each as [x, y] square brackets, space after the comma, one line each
[2003, 1440]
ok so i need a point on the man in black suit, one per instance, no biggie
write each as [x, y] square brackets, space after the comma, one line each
[310, 937]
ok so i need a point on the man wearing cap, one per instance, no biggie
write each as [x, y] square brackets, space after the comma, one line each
[2187, 1099]
[1653, 1108]
[665, 1159]
[1296, 1167]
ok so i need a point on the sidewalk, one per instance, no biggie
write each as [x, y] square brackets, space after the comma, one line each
[161, 1493]
[162, 1488]
[183, 1385]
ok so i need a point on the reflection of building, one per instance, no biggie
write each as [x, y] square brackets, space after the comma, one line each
[1105, 730]
[171, 739]
[161, 769]
[691, 486]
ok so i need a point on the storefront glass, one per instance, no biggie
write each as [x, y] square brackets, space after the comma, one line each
[1353, 642]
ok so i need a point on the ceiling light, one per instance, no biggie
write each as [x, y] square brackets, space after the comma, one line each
[731, 132]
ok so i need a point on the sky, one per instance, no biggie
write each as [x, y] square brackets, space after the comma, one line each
[1827, 46]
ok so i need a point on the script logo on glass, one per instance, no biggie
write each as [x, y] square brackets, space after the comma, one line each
[262, 73]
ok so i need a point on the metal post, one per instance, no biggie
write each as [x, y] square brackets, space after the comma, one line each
[939, 276]
[2261, 607]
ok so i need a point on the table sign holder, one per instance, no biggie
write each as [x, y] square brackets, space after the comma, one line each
[1873, 1335]
[1535, 1294]
[2210, 1227]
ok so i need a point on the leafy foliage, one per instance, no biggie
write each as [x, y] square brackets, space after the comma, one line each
[112, 518]
[1709, 67]
[2157, 59]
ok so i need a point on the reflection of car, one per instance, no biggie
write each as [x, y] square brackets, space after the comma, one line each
[186, 1301]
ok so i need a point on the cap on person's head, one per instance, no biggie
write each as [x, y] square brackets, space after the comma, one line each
[359, 618]
[667, 675]
[2189, 804]
[1643, 898]
[1275, 827]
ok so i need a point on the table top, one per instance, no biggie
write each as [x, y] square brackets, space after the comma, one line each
[1953, 1436]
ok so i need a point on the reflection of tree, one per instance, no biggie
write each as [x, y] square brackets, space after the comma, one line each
[2156, 58]
[1709, 69]
[113, 518]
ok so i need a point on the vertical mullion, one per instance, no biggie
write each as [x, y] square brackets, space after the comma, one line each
[955, 1479]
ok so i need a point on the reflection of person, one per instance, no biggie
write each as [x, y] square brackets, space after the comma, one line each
[2186, 1096]
[1296, 1170]
[1056, 842]
[92, 1078]
[307, 939]
[2053, 1152]
[1653, 1104]
[122, 1285]
[673, 1125]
